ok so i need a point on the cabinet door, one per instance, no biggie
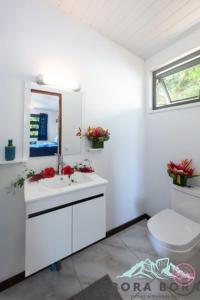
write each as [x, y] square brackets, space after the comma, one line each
[89, 223]
[48, 239]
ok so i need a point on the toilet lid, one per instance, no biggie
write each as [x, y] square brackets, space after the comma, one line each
[173, 230]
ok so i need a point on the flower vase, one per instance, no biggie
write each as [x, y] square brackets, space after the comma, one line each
[96, 144]
[10, 151]
[180, 180]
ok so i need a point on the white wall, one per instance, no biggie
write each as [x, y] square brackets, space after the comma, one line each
[170, 135]
[36, 38]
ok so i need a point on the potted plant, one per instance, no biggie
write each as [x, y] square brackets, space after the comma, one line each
[181, 172]
[97, 136]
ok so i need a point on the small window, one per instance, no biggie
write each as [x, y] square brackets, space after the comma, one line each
[34, 125]
[177, 83]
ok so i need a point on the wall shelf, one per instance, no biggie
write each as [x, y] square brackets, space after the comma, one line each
[95, 149]
[12, 162]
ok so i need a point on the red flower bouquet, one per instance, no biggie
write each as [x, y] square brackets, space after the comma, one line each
[98, 136]
[181, 172]
[46, 173]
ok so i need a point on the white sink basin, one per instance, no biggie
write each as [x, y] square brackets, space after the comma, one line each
[63, 181]
[56, 182]
[60, 184]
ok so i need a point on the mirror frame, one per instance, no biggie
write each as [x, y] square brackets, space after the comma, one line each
[28, 86]
[31, 87]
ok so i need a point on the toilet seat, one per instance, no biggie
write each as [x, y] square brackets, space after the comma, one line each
[174, 231]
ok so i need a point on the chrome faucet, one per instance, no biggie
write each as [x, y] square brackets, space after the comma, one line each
[60, 164]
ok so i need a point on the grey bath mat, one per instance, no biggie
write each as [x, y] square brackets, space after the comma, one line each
[102, 289]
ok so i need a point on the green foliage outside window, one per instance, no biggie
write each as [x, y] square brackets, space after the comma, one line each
[177, 85]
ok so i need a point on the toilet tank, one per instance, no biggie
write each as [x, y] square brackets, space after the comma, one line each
[186, 201]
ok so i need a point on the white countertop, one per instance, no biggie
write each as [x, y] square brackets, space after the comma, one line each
[34, 191]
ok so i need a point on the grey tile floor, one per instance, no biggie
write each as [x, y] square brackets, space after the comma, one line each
[112, 256]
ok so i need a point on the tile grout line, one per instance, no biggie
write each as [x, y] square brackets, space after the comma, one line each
[128, 247]
[76, 274]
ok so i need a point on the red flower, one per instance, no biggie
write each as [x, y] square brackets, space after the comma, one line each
[190, 172]
[49, 172]
[36, 177]
[97, 132]
[68, 170]
[86, 170]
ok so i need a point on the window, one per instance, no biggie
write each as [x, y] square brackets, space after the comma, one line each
[34, 125]
[177, 83]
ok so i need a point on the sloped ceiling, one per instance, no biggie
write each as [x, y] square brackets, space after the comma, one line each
[142, 26]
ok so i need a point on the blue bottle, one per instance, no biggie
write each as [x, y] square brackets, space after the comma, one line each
[10, 151]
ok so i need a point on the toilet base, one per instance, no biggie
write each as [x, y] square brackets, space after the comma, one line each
[175, 256]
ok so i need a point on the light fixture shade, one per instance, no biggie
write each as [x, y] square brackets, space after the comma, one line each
[58, 83]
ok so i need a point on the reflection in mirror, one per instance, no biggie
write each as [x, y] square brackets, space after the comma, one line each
[45, 123]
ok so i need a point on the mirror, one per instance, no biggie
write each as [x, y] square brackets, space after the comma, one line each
[53, 121]
[45, 123]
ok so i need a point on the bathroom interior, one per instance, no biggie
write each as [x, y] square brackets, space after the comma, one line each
[99, 149]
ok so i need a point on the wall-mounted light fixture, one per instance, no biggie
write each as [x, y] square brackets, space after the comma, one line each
[57, 83]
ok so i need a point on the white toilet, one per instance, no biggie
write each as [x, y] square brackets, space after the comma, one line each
[175, 233]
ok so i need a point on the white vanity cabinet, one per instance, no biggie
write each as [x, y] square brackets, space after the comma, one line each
[48, 239]
[62, 221]
[89, 223]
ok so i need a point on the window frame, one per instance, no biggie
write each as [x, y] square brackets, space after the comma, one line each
[34, 123]
[174, 67]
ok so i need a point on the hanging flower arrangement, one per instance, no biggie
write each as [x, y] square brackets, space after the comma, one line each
[97, 136]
